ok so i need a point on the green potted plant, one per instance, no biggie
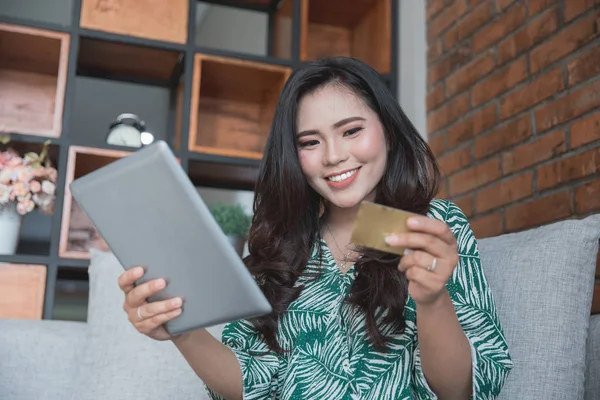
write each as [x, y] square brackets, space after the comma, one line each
[234, 222]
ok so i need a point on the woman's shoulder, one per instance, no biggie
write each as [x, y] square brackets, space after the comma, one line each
[447, 211]
[442, 209]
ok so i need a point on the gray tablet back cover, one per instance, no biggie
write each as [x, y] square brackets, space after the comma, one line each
[149, 213]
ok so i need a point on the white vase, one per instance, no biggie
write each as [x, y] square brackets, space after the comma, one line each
[238, 243]
[10, 228]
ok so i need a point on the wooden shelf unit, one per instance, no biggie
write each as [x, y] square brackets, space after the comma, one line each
[233, 102]
[149, 19]
[33, 74]
[335, 28]
[77, 234]
[22, 290]
[220, 102]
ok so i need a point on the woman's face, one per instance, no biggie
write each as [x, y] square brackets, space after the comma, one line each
[341, 144]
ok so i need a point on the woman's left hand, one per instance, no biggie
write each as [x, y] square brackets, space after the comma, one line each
[430, 260]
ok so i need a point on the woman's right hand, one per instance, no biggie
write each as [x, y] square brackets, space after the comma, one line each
[147, 318]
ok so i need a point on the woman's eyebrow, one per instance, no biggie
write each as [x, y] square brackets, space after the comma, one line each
[347, 121]
[335, 126]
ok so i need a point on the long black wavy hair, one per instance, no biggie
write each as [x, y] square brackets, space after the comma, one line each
[286, 221]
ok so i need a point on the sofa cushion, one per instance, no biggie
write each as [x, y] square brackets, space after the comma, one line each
[542, 281]
[592, 376]
[122, 363]
[40, 359]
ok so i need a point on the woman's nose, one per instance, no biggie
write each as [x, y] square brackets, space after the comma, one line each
[335, 153]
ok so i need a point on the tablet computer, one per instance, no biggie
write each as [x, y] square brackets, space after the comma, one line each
[149, 213]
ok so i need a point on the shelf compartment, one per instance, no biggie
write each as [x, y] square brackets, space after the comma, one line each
[115, 78]
[22, 289]
[232, 28]
[33, 73]
[77, 233]
[220, 175]
[36, 228]
[71, 294]
[362, 30]
[98, 102]
[149, 19]
[38, 11]
[233, 102]
[114, 60]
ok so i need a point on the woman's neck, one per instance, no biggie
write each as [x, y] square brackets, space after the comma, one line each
[338, 223]
[340, 220]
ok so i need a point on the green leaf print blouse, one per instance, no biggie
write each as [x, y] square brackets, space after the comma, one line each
[331, 357]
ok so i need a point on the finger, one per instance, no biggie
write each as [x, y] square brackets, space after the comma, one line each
[432, 226]
[150, 324]
[416, 258]
[149, 310]
[422, 241]
[128, 278]
[424, 278]
[138, 295]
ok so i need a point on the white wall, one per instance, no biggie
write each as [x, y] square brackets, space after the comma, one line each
[412, 62]
[223, 196]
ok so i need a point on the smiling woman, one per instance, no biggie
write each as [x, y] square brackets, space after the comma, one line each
[344, 322]
[343, 157]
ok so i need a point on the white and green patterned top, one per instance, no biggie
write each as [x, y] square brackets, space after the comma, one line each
[331, 357]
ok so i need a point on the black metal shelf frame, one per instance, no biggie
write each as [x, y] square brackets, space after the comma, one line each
[184, 70]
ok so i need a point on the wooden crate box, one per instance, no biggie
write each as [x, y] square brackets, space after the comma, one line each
[77, 234]
[334, 28]
[233, 102]
[149, 19]
[33, 73]
[22, 289]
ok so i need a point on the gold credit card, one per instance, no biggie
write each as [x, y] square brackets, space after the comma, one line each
[374, 222]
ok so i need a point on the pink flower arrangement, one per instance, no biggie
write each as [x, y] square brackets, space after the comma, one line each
[29, 181]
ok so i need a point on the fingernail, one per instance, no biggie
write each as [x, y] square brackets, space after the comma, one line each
[176, 302]
[413, 222]
[398, 240]
[407, 251]
[389, 240]
[160, 283]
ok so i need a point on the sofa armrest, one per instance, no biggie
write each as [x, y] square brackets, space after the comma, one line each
[592, 370]
[39, 359]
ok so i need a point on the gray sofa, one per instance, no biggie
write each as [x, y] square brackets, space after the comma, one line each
[542, 281]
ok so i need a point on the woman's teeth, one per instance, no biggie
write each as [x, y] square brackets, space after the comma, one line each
[342, 177]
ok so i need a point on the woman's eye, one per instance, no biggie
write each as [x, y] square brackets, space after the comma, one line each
[308, 143]
[352, 131]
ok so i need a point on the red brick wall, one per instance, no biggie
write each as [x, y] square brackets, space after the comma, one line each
[514, 108]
